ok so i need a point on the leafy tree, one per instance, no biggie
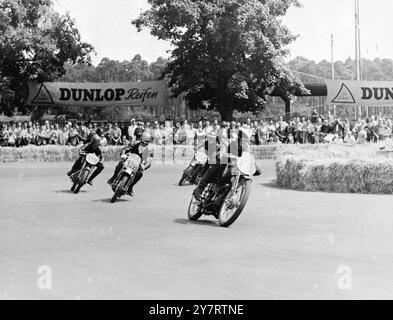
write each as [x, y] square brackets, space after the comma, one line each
[35, 44]
[372, 70]
[158, 68]
[79, 72]
[226, 53]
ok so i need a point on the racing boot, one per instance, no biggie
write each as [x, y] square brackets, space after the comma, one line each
[117, 170]
[207, 177]
[200, 188]
[130, 192]
[95, 173]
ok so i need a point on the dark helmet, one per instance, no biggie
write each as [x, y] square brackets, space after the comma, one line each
[96, 139]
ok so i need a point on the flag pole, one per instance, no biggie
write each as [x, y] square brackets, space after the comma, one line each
[332, 53]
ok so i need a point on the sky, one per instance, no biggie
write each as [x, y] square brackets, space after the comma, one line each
[107, 26]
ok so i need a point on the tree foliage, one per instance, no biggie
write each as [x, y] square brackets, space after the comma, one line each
[372, 70]
[109, 70]
[35, 44]
[228, 53]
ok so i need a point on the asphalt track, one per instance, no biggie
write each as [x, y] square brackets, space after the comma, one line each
[285, 245]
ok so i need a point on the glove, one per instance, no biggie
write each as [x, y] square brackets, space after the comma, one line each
[143, 167]
[258, 172]
[123, 157]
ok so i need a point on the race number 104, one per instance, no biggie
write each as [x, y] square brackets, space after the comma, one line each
[216, 309]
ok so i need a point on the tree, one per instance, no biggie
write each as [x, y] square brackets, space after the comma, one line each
[158, 68]
[35, 44]
[372, 70]
[226, 53]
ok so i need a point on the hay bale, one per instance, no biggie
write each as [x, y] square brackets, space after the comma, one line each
[164, 154]
[363, 175]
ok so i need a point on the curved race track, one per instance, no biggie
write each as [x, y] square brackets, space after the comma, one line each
[286, 244]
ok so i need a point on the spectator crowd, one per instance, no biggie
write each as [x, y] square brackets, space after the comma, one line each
[305, 130]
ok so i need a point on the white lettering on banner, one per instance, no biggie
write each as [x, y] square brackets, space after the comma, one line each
[360, 93]
[151, 93]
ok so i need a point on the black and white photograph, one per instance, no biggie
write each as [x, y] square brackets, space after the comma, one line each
[184, 150]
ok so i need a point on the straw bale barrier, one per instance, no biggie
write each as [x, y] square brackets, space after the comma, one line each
[340, 169]
[111, 153]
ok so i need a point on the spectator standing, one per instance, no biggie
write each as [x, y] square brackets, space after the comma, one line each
[115, 135]
[208, 127]
[148, 128]
[73, 135]
[272, 132]
[157, 134]
[314, 116]
[139, 131]
[11, 136]
[318, 134]
[131, 130]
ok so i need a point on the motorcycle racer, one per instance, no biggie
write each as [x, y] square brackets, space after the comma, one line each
[91, 147]
[220, 158]
[141, 149]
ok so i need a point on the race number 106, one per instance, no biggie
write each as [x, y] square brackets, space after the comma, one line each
[216, 309]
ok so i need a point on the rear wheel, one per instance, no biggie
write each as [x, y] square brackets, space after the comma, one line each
[81, 181]
[229, 212]
[119, 189]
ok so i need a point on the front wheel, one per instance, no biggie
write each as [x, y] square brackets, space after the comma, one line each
[74, 184]
[81, 181]
[119, 189]
[194, 209]
[186, 175]
[229, 211]
[183, 179]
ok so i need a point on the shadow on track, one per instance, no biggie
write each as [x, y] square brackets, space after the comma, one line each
[109, 200]
[272, 184]
[208, 223]
[69, 191]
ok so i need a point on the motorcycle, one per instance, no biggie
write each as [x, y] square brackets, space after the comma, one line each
[126, 175]
[80, 177]
[195, 170]
[226, 196]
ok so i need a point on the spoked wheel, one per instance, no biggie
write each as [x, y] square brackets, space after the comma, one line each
[74, 184]
[119, 189]
[233, 206]
[194, 209]
[183, 179]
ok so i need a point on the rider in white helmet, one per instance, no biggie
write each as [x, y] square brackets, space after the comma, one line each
[141, 149]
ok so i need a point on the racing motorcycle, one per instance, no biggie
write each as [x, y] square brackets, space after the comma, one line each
[226, 196]
[126, 175]
[80, 177]
[195, 170]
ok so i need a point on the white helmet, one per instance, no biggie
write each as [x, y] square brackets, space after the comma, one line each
[146, 138]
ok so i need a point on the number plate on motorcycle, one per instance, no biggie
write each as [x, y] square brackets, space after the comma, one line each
[92, 159]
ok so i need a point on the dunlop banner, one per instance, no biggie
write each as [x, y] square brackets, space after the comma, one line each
[151, 93]
[360, 93]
